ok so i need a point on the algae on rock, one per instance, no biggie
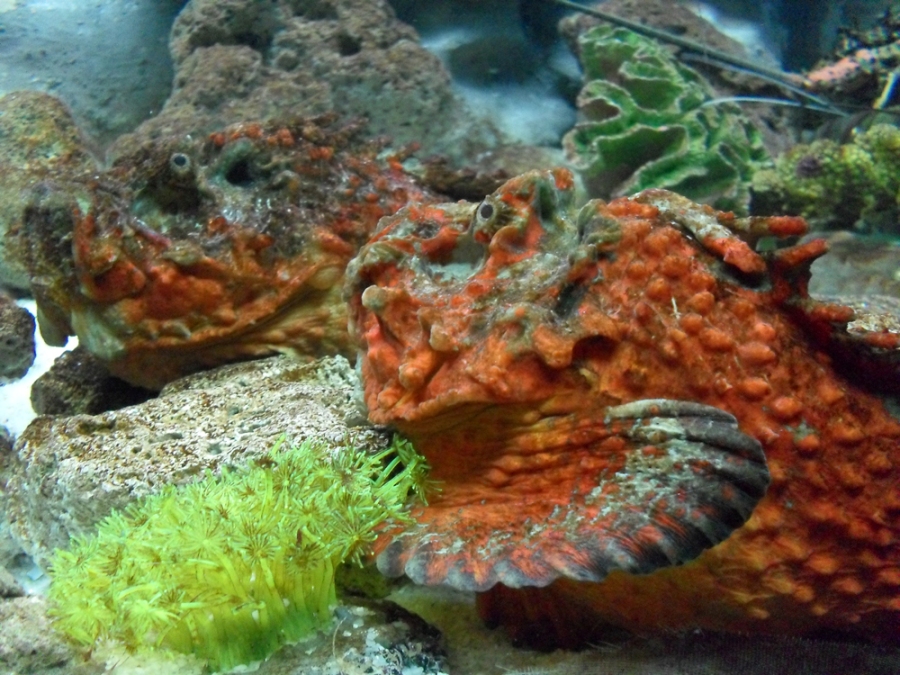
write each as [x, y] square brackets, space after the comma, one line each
[851, 186]
[644, 124]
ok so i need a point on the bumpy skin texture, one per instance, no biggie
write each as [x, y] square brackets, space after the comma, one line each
[541, 361]
[197, 251]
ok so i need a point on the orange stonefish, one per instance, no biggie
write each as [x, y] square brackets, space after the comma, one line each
[194, 250]
[635, 418]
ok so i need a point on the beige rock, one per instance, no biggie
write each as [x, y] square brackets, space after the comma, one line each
[28, 645]
[67, 473]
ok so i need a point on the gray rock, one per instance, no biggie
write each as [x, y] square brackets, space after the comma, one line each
[9, 587]
[9, 549]
[244, 60]
[17, 349]
[29, 645]
[78, 383]
[67, 473]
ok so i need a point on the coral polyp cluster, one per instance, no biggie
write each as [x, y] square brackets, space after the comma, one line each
[232, 567]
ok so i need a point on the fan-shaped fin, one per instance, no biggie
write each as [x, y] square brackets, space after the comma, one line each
[657, 483]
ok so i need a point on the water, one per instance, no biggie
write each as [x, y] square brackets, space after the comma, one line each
[496, 88]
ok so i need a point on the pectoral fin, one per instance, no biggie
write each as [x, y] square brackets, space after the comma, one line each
[651, 484]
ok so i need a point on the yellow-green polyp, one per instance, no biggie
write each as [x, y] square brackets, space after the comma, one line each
[234, 566]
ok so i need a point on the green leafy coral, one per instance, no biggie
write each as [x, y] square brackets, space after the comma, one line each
[837, 186]
[643, 124]
[234, 566]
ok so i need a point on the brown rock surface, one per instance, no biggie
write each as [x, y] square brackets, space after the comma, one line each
[16, 339]
[39, 143]
[79, 384]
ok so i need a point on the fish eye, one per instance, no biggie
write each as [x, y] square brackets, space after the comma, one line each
[180, 163]
[485, 211]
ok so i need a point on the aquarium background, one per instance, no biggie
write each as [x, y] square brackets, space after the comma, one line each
[160, 110]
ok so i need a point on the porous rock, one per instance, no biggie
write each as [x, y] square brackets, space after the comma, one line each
[9, 549]
[67, 473]
[9, 587]
[39, 143]
[29, 645]
[16, 339]
[242, 59]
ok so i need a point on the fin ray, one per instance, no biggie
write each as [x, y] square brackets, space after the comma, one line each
[680, 478]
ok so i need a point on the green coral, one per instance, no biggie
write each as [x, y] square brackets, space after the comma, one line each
[834, 186]
[232, 567]
[644, 125]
